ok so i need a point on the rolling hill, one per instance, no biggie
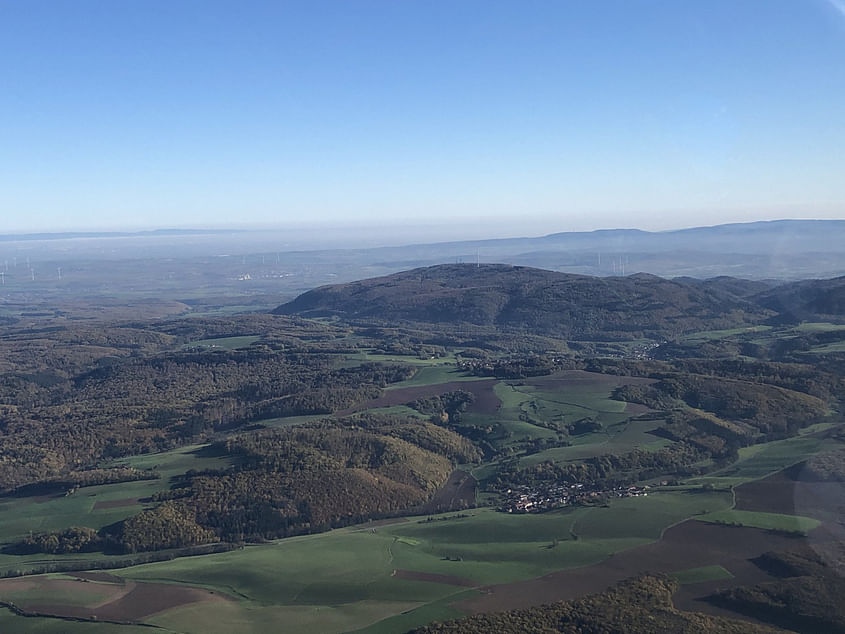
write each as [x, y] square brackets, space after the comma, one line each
[808, 300]
[534, 300]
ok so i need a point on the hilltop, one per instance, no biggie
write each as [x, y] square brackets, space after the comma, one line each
[535, 300]
[807, 300]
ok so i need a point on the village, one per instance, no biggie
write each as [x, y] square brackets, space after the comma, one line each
[526, 499]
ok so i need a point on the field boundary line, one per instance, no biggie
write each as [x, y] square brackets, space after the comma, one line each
[14, 609]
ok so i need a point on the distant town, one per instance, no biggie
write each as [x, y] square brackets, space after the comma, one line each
[525, 499]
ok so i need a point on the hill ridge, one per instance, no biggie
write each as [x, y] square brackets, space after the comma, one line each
[538, 300]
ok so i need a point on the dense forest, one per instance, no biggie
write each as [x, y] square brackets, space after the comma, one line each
[63, 415]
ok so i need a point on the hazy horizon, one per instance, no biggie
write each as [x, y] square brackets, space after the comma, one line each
[625, 113]
[465, 229]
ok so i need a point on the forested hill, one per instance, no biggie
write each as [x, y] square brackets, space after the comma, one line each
[808, 300]
[573, 306]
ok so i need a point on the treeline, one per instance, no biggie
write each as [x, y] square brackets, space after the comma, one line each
[447, 410]
[87, 478]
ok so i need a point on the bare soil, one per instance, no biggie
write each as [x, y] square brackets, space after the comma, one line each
[147, 599]
[43, 586]
[125, 601]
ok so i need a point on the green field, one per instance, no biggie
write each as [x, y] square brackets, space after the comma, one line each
[838, 346]
[19, 516]
[710, 335]
[224, 343]
[346, 579]
[403, 358]
[822, 326]
[10, 622]
[758, 461]
[766, 521]
[618, 438]
[288, 421]
[526, 407]
[430, 374]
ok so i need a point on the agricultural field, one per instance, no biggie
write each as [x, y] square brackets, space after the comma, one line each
[94, 506]
[758, 461]
[10, 622]
[224, 343]
[712, 335]
[715, 546]
[766, 521]
[431, 373]
[414, 360]
[630, 434]
[410, 570]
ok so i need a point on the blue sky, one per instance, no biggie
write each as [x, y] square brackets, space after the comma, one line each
[541, 116]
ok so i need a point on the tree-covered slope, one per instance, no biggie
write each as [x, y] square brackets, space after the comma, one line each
[808, 300]
[572, 306]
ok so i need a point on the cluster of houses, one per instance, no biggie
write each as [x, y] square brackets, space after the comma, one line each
[639, 352]
[545, 498]
[644, 351]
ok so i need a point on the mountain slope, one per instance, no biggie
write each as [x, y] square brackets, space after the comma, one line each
[808, 300]
[574, 306]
